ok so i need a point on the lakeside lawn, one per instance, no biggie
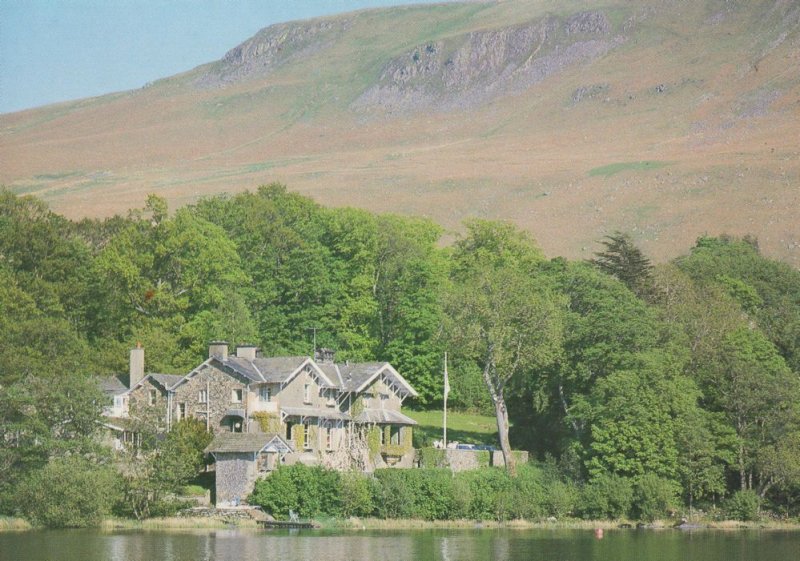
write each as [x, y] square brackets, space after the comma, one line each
[462, 427]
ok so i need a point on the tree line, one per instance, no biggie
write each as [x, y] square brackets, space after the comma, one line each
[607, 368]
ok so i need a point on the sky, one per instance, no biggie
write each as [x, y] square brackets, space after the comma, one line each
[58, 50]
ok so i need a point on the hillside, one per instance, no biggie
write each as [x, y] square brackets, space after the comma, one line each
[668, 119]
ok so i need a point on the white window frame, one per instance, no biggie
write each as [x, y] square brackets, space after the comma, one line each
[265, 394]
[153, 396]
[202, 396]
[329, 438]
[307, 392]
[237, 395]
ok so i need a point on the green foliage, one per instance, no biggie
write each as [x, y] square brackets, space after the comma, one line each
[417, 493]
[68, 492]
[653, 497]
[499, 314]
[623, 260]
[161, 468]
[486, 494]
[606, 496]
[743, 505]
[356, 494]
[432, 457]
[267, 422]
[309, 491]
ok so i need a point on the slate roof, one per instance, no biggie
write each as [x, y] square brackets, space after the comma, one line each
[384, 416]
[112, 385]
[166, 380]
[274, 370]
[356, 374]
[238, 442]
[278, 369]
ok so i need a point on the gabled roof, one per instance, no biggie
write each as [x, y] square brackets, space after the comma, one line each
[282, 370]
[112, 385]
[239, 442]
[357, 377]
[273, 370]
[165, 381]
[386, 416]
[333, 372]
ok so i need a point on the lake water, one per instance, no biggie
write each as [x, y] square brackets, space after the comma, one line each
[444, 545]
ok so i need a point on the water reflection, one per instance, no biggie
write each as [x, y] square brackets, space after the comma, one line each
[435, 545]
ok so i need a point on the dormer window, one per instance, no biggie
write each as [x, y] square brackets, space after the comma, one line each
[236, 396]
[307, 393]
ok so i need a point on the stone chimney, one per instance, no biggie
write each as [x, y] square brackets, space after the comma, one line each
[218, 349]
[246, 351]
[136, 371]
[325, 355]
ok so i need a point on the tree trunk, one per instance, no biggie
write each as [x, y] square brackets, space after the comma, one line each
[742, 475]
[502, 431]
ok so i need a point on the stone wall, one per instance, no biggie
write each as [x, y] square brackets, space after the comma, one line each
[235, 477]
[219, 385]
[139, 407]
[462, 460]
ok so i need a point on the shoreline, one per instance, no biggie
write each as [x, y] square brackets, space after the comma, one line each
[362, 524]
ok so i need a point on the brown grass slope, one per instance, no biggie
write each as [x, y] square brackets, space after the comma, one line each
[665, 118]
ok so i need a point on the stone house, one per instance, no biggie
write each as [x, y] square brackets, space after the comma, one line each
[338, 415]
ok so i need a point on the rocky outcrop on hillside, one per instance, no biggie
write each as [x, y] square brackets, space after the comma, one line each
[472, 69]
[271, 48]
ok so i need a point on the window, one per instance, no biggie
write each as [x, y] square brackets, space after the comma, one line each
[306, 435]
[383, 435]
[181, 412]
[307, 393]
[289, 427]
[236, 396]
[329, 438]
[394, 436]
[331, 397]
[202, 396]
[264, 393]
[153, 397]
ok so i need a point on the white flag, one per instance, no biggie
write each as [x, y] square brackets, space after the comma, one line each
[446, 380]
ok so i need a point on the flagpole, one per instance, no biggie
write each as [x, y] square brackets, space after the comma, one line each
[446, 391]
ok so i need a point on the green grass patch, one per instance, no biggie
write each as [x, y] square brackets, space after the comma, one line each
[611, 169]
[462, 427]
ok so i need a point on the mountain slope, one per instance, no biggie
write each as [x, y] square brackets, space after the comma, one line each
[668, 119]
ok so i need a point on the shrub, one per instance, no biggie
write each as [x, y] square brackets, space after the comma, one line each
[529, 498]
[562, 498]
[490, 492]
[653, 497]
[606, 496]
[743, 505]
[356, 493]
[414, 493]
[309, 491]
[68, 493]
